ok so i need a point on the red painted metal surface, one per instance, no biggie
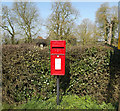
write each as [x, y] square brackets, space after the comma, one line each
[57, 49]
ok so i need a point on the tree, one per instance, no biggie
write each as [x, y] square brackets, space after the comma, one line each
[102, 20]
[8, 22]
[107, 21]
[61, 20]
[6, 39]
[95, 34]
[113, 24]
[27, 18]
[86, 31]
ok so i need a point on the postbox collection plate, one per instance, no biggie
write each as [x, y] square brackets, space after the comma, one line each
[57, 63]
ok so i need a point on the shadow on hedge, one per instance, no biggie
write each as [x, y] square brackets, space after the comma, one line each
[65, 80]
[114, 77]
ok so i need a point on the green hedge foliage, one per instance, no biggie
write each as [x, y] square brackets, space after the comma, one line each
[93, 71]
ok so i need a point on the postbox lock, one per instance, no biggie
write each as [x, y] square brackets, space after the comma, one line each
[57, 55]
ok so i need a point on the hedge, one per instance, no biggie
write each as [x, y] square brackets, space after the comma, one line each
[93, 71]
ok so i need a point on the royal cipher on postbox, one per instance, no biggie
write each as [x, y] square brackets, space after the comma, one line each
[57, 49]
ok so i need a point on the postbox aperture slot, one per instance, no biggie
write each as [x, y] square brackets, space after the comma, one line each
[57, 47]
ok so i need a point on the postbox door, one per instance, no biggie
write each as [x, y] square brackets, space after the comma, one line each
[57, 64]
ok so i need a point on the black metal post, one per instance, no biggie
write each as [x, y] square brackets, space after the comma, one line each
[58, 80]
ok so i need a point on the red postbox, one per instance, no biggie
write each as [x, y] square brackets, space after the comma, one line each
[58, 49]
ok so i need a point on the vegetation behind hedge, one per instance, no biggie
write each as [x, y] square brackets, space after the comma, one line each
[92, 71]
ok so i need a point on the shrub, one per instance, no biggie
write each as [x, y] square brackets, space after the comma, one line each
[90, 71]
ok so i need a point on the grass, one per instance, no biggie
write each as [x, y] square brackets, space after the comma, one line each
[67, 102]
